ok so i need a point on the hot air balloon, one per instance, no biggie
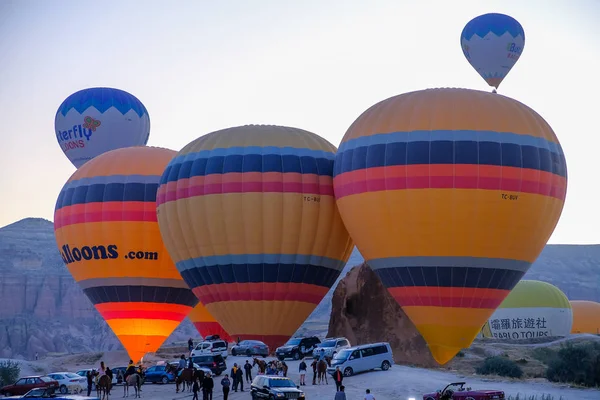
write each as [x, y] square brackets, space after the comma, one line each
[586, 317]
[533, 309]
[206, 324]
[249, 217]
[492, 43]
[93, 121]
[450, 195]
[106, 231]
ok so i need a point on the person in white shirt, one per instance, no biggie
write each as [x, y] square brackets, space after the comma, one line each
[369, 396]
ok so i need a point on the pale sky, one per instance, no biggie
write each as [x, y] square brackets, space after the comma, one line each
[200, 66]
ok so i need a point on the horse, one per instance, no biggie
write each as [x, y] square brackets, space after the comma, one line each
[134, 380]
[186, 377]
[262, 365]
[103, 386]
[322, 371]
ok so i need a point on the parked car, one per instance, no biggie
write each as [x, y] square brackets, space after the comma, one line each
[363, 358]
[27, 383]
[159, 374]
[49, 393]
[218, 346]
[250, 348]
[457, 391]
[297, 348]
[214, 362]
[331, 346]
[274, 387]
[69, 382]
[83, 373]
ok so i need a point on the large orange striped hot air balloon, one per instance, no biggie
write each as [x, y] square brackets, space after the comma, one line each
[206, 324]
[450, 195]
[106, 231]
[249, 217]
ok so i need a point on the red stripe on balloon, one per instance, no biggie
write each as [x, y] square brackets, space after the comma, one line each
[302, 292]
[173, 316]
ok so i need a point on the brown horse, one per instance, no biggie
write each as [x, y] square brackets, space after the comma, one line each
[322, 370]
[103, 386]
[262, 365]
[186, 377]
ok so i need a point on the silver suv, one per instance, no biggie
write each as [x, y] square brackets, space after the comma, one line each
[331, 346]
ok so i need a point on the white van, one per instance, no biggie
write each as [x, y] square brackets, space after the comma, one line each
[363, 358]
[210, 347]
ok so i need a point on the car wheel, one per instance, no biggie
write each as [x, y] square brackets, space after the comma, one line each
[334, 353]
[430, 398]
[385, 365]
[63, 389]
[348, 372]
[248, 353]
[233, 352]
[469, 398]
[296, 355]
[165, 380]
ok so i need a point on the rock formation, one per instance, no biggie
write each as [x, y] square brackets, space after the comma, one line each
[364, 312]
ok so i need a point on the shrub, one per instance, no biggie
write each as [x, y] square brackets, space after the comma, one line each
[578, 364]
[499, 365]
[9, 372]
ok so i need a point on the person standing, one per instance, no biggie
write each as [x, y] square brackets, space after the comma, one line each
[190, 344]
[90, 379]
[302, 370]
[314, 367]
[248, 370]
[234, 370]
[340, 395]
[338, 377]
[368, 395]
[225, 382]
[207, 387]
[239, 378]
[195, 389]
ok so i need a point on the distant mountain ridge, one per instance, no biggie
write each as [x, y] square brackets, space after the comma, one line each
[43, 310]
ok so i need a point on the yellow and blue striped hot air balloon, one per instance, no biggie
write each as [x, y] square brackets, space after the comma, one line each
[106, 231]
[249, 217]
[450, 195]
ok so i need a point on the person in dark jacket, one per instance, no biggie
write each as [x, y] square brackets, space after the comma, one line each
[109, 373]
[314, 367]
[90, 380]
[239, 376]
[190, 363]
[248, 370]
[190, 344]
[207, 387]
[225, 382]
[340, 395]
[338, 377]
[195, 389]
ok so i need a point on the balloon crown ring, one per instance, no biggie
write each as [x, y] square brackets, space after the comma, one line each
[91, 123]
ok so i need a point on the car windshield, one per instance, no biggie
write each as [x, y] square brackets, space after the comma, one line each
[328, 343]
[293, 342]
[281, 383]
[342, 355]
[71, 375]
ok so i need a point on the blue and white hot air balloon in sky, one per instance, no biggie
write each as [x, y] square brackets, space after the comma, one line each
[492, 44]
[96, 120]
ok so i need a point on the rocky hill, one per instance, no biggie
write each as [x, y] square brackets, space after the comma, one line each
[43, 310]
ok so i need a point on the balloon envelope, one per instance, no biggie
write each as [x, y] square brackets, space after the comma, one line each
[93, 121]
[493, 43]
[206, 324]
[450, 195]
[106, 231]
[533, 309]
[586, 317]
[249, 217]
